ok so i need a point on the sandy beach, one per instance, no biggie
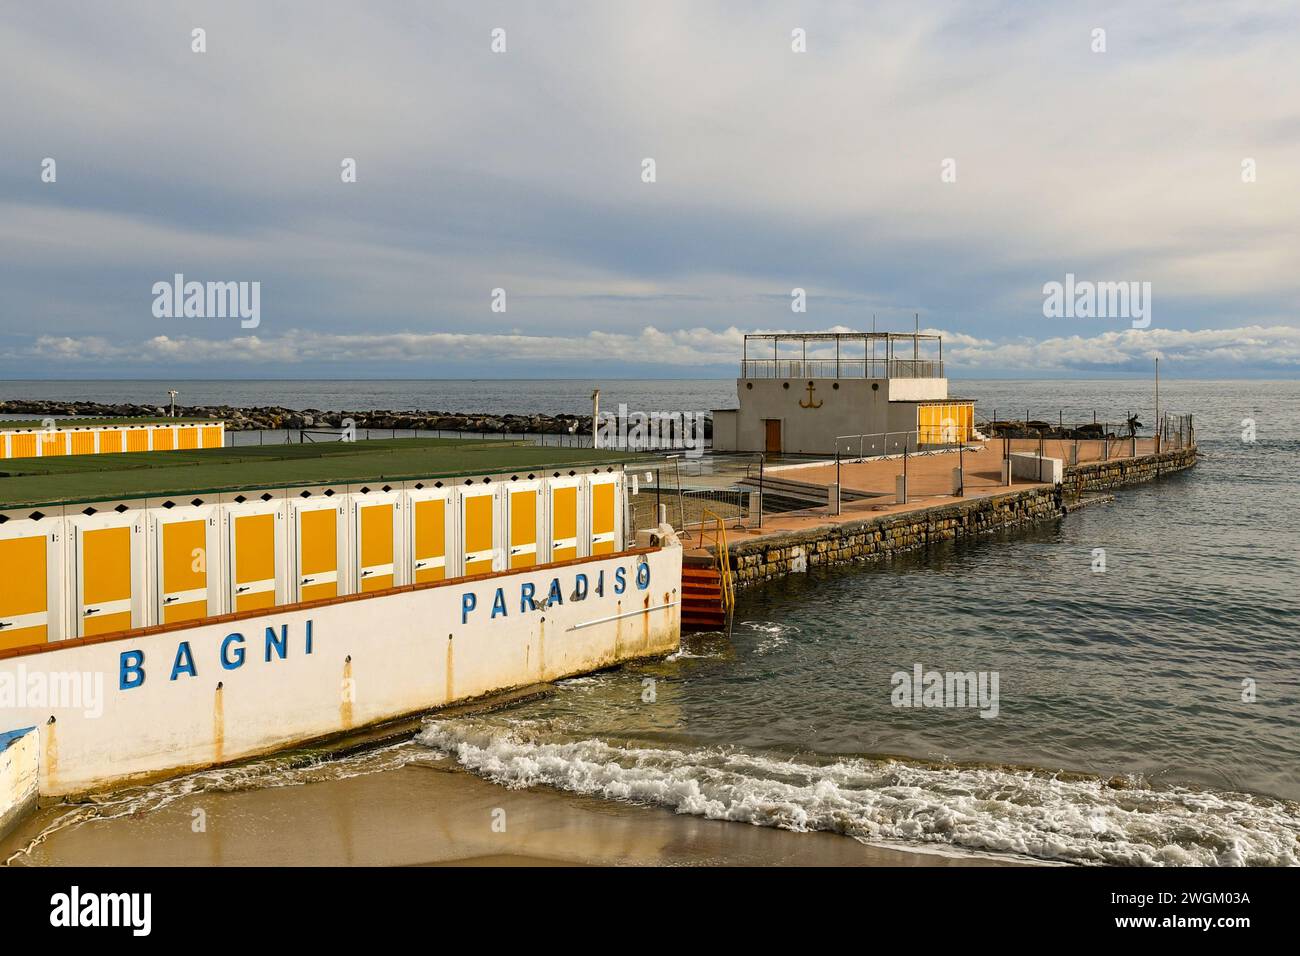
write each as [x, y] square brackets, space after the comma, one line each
[426, 815]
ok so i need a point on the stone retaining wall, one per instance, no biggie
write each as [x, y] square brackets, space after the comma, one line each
[1107, 475]
[878, 537]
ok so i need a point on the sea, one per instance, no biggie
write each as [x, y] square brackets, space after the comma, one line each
[1146, 714]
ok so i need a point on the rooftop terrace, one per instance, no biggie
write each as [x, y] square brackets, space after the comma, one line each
[842, 355]
[73, 479]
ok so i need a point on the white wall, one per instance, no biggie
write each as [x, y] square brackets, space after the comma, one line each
[371, 659]
[18, 776]
[917, 389]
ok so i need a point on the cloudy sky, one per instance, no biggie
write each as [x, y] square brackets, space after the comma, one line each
[523, 170]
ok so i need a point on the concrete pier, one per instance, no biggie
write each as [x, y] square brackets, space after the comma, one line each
[879, 527]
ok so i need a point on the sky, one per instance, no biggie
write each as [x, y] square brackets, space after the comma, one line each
[940, 160]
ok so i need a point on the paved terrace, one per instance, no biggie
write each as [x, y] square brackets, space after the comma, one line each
[929, 482]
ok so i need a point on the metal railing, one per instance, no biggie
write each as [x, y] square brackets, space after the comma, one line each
[880, 444]
[721, 555]
[843, 368]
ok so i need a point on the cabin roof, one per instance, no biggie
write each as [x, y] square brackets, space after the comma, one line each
[71, 424]
[74, 479]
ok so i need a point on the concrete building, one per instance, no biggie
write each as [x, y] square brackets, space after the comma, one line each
[804, 393]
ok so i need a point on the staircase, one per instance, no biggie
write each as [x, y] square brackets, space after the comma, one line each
[708, 594]
[702, 605]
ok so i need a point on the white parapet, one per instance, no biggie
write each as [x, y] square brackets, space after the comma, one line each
[917, 389]
[1037, 467]
[158, 701]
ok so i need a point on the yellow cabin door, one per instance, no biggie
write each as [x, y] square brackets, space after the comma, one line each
[164, 438]
[253, 560]
[212, 436]
[929, 419]
[183, 563]
[564, 523]
[104, 572]
[318, 554]
[479, 524]
[83, 443]
[522, 510]
[429, 539]
[137, 439]
[24, 591]
[603, 518]
[53, 443]
[375, 548]
[110, 442]
[22, 445]
[188, 436]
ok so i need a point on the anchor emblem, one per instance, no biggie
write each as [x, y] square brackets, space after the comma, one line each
[812, 402]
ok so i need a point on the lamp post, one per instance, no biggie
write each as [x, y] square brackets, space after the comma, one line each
[173, 393]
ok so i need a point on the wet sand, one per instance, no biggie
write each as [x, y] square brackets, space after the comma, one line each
[428, 815]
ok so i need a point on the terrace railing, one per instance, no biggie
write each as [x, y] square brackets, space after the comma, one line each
[843, 368]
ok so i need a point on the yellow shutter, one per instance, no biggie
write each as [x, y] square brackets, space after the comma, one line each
[189, 436]
[22, 445]
[478, 533]
[254, 554]
[137, 439]
[53, 443]
[318, 546]
[105, 570]
[23, 592]
[564, 524]
[163, 438]
[110, 441]
[602, 518]
[212, 436]
[184, 570]
[83, 443]
[430, 540]
[376, 527]
[523, 528]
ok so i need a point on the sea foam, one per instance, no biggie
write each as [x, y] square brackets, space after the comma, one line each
[889, 802]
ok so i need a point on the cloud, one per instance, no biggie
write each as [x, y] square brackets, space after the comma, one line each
[1250, 349]
[521, 171]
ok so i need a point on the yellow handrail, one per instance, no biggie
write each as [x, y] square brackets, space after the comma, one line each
[721, 555]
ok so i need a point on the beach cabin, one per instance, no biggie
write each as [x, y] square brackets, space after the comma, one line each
[143, 539]
[807, 392]
[106, 436]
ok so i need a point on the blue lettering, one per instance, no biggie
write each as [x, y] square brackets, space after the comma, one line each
[130, 670]
[184, 663]
[468, 601]
[580, 588]
[238, 661]
[643, 575]
[620, 580]
[309, 636]
[281, 644]
[555, 596]
[600, 583]
[499, 603]
[526, 592]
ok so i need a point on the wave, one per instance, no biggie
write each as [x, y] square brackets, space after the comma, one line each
[1029, 813]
